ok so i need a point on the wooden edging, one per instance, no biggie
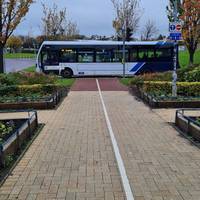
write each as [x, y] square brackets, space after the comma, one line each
[188, 127]
[10, 170]
[153, 103]
[50, 104]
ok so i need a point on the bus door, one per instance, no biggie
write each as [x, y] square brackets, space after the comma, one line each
[49, 60]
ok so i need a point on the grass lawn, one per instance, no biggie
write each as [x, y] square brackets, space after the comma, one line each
[125, 81]
[19, 55]
[60, 81]
[184, 58]
[30, 69]
[65, 81]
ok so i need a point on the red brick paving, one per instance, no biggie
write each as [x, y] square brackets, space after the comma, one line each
[111, 84]
[106, 84]
[85, 84]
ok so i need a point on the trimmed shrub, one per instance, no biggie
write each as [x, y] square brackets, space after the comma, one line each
[137, 80]
[190, 74]
[158, 88]
[24, 90]
[26, 78]
[8, 90]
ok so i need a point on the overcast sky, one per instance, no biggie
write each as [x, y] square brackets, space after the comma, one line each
[94, 16]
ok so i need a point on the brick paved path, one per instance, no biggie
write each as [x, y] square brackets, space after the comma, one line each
[72, 158]
[161, 165]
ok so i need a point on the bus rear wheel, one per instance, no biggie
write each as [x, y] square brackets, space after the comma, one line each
[66, 73]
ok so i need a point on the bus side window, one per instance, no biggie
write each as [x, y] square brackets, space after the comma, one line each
[68, 55]
[151, 54]
[54, 58]
[45, 58]
[133, 55]
[142, 55]
[163, 54]
[85, 56]
[103, 56]
[146, 54]
[118, 56]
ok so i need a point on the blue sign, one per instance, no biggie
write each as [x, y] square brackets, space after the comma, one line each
[175, 36]
[172, 27]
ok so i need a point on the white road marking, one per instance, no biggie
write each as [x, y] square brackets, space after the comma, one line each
[120, 163]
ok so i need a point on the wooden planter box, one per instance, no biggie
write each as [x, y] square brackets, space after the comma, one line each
[51, 103]
[187, 125]
[152, 102]
[24, 133]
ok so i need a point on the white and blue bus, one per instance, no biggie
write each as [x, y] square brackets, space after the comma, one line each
[101, 58]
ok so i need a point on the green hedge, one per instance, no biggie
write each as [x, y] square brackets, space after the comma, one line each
[190, 74]
[21, 90]
[158, 88]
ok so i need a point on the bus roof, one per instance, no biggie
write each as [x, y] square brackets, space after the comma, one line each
[98, 42]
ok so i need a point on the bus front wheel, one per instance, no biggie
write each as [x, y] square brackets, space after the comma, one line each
[66, 73]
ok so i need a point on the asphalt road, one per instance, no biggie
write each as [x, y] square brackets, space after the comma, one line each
[13, 65]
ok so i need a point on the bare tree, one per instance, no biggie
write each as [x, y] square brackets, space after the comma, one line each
[54, 21]
[72, 30]
[56, 25]
[149, 30]
[11, 14]
[127, 16]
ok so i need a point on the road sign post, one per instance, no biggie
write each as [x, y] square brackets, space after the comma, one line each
[124, 51]
[174, 75]
[175, 35]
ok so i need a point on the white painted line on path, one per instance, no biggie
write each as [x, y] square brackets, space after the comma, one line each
[120, 163]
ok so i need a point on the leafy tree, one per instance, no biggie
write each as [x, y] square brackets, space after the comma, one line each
[29, 42]
[40, 39]
[14, 43]
[11, 14]
[127, 16]
[191, 26]
[189, 15]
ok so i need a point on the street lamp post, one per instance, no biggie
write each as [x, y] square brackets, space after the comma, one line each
[124, 50]
[122, 27]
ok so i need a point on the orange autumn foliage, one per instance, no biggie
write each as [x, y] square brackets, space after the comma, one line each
[11, 14]
[191, 25]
